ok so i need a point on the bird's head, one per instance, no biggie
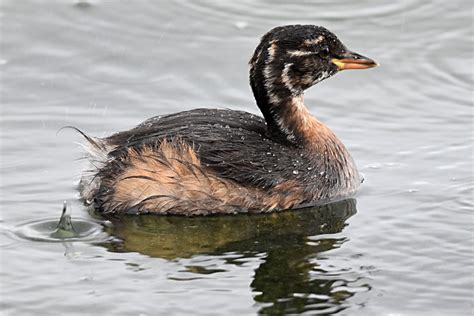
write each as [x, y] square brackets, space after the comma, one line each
[296, 57]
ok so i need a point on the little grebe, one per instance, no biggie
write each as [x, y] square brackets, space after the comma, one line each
[220, 161]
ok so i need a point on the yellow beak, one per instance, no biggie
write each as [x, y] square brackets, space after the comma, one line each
[353, 61]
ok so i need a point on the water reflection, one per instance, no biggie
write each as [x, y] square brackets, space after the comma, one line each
[292, 277]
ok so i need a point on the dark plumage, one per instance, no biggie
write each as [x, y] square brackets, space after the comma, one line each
[207, 161]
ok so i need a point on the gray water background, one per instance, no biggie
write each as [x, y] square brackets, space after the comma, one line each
[105, 66]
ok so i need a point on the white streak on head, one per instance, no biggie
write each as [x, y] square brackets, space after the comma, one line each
[271, 51]
[285, 78]
[314, 41]
[299, 53]
[268, 73]
[269, 82]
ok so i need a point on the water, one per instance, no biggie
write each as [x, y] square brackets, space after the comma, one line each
[405, 247]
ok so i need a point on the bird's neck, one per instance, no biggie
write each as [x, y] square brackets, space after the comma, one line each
[287, 117]
[289, 120]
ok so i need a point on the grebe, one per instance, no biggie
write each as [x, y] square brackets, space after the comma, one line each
[220, 161]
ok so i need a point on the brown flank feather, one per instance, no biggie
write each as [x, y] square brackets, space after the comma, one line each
[170, 179]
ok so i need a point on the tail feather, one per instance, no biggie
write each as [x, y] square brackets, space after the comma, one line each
[92, 141]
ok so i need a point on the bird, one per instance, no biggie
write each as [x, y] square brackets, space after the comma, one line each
[209, 161]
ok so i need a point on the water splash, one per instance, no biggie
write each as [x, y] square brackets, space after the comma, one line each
[66, 229]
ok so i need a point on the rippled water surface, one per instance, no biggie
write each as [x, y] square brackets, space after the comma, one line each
[403, 247]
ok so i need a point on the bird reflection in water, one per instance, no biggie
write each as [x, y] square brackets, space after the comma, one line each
[289, 280]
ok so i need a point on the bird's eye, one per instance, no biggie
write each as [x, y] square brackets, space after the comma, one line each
[324, 52]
